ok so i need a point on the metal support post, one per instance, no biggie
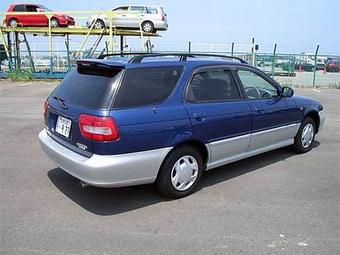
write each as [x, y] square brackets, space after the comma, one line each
[273, 61]
[67, 43]
[121, 44]
[315, 64]
[17, 51]
[29, 53]
[232, 48]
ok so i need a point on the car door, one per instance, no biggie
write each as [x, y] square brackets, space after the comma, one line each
[218, 113]
[36, 18]
[275, 118]
[136, 16]
[120, 18]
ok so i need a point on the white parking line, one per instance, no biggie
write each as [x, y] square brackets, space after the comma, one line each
[316, 90]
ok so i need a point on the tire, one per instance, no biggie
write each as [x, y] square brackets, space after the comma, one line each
[13, 23]
[303, 141]
[54, 22]
[175, 184]
[99, 24]
[148, 27]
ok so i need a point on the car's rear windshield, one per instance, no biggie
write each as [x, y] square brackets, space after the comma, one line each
[145, 86]
[90, 87]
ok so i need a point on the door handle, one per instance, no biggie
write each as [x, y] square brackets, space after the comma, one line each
[200, 116]
[259, 111]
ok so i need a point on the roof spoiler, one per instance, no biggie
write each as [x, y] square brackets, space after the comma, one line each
[139, 56]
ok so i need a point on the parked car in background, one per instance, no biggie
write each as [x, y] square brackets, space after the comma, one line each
[149, 18]
[303, 66]
[35, 20]
[166, 118]
[333, 65]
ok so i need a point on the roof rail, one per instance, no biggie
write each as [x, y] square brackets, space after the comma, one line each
[139, 56]
[102, 56]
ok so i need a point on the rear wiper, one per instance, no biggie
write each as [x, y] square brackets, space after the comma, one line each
[61, 101]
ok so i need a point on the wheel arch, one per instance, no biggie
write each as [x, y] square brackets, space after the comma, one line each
[198, 145]
[314, 115]
[12, 18]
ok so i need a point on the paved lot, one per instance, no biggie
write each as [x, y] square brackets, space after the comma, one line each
[275, 203]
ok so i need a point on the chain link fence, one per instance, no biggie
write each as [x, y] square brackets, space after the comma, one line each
[296, 70]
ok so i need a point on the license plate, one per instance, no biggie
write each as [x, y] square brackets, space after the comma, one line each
[63, 126]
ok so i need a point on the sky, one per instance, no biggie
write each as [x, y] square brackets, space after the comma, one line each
[296, 26]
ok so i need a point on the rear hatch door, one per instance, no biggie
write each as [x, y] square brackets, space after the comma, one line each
[89, 89]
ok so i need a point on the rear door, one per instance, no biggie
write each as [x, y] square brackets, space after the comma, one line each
[218, 113]
[275, 118]
[136, 16]
[87, 90]
[21, 18]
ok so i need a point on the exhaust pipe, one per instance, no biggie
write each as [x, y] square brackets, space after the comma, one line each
[83, 184]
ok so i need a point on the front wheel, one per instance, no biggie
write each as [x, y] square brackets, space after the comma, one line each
[180, 172]
[99, 24]
[54, 23]
[303, 141]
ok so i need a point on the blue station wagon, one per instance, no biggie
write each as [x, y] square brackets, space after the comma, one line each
[167, 118]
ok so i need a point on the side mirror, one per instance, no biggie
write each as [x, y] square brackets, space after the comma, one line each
[287, 92]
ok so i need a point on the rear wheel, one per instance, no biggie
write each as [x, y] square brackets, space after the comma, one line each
[304, 139]
[148, 27]
[13, 23]
[180, 172]
[54, 22]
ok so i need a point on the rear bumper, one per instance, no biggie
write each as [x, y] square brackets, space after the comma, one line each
[105, 170]
[161, 26]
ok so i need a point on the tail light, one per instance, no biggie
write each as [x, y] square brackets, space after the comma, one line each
[98, 128]
[45, 107]
[163, 17]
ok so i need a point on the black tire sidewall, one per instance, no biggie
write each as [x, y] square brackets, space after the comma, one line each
[297, 140]
[163, 181]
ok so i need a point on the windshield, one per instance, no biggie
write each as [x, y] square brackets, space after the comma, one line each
[44, 8]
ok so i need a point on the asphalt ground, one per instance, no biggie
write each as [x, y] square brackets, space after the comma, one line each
[274, 203]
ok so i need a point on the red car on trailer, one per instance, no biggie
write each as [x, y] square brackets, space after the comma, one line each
[35, 20]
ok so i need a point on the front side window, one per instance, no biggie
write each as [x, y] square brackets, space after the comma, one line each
[145, 86]
[31, 8]
[212, 85]
[121, 9]
[255, 86]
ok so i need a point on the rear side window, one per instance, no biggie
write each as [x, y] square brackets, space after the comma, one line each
[152, 10]
[88, 88]
[212, 86]
[137, 9]
[19, 8]
[146, 86]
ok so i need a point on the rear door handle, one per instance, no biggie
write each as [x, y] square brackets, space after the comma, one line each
[200, 116]
[259, 111]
